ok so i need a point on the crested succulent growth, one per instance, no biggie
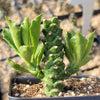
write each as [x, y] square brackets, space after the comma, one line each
[54, 72]
[24, 40]
[77, 50]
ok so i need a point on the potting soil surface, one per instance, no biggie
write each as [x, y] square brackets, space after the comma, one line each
[73, 87]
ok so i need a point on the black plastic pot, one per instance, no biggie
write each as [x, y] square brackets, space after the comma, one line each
[35, 80]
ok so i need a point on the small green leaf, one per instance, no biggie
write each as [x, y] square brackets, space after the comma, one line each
[73, 33]
[15, 33]
[68, 49]
[89, 44]
[85, 60]
[35, 31]
[26, 52]
[26, 32]
[39, 53]
[7, 37]
[78, 44]
[17, 66]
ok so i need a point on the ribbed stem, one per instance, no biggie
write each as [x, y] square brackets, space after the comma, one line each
[54, 72]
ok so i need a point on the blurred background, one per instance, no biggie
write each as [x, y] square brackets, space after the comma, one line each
[71, 18]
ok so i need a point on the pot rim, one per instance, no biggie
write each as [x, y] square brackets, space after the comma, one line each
[18, 98]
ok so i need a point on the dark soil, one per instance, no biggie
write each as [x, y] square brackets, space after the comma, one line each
[73, 87]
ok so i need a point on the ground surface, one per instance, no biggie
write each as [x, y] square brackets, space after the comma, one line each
[73, 87]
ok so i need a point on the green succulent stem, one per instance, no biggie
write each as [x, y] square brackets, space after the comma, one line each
[53, 70]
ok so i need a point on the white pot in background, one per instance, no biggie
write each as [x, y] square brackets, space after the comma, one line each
[88, 6]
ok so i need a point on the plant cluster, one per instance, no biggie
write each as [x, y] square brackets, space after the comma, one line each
[64, 5]
[5, 6]
[73, 19]
[36, 6]
[25, 41]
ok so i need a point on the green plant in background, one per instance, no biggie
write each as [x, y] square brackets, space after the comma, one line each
[37, 8]
[5, 6]
[73, 19]
[24, 40]
[64, 5]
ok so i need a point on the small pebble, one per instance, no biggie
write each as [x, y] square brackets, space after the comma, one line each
[91, 90]
[88, 92]
[27, 91]
[78, 92]
[90, 87]
[22, 95]
[84, 89]
[93, 82]
[82, 79]
[66, 84]
[66, 94]
[15, 83]
[71, 92]
[81, 95]
[15, 87]
[60, 94]
[89, 79]
[40, 89]
[17, 94]
[75, 86]
[39, 95]
[27, 86]
[97, 94]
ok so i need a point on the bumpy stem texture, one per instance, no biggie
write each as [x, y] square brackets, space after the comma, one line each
[54, 72]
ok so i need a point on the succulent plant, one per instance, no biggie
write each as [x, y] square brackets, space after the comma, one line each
[24, 40]
[77, 50]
